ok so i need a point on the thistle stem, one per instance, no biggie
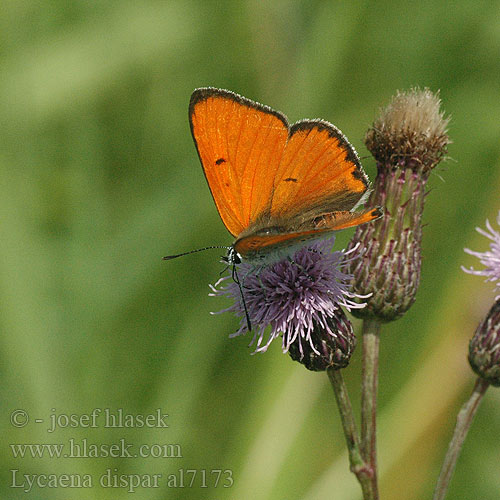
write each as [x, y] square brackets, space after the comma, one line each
[358, 466]
[371, 331]
[464, 421]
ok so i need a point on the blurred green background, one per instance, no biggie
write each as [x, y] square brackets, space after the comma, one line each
[100, 179]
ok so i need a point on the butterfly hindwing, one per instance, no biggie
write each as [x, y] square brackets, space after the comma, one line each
[255, 246]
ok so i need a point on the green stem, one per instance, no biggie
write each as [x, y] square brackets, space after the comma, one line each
[358, 466]
[371, 332]
[464, 421]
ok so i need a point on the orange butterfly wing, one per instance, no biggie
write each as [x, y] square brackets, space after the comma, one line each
[257, 243]
[319, 172]
[240, 144]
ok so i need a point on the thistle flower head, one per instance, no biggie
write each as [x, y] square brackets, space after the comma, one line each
[410, 131]
[408, 139]
[484, 347]
[294, 297]
[489, 259]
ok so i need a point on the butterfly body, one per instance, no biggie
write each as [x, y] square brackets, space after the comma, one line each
[275, 185]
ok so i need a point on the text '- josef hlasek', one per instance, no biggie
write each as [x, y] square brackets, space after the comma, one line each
[98, 417]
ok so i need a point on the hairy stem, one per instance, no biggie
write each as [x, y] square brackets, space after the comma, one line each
[358, 466]
[464, 421]
[371, 331]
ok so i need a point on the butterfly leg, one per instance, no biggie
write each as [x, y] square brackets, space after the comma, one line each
[237, 281]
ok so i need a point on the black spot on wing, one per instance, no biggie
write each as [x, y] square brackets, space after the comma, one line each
[290, 179]
[219, 161]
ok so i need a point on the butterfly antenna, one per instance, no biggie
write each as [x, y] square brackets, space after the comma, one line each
[169, 257]
[237, 280]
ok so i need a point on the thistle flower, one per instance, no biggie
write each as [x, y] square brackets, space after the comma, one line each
[484, 347]
[489, 259]
[408, 140]
[299, 298]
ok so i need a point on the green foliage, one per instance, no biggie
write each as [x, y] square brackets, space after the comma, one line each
[100, 179]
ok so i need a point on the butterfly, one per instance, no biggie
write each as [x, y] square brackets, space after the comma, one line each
[275, 185]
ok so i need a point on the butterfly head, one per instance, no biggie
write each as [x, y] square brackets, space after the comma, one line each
[233, 257]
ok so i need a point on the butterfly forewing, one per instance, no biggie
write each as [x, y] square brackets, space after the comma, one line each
[319, 172]
[240, 144]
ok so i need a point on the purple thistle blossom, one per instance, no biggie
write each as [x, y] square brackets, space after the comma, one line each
[490, 259]
[291, 296]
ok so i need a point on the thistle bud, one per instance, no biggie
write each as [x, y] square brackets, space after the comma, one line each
[408, 140]
[484, 347]
[327, 347]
